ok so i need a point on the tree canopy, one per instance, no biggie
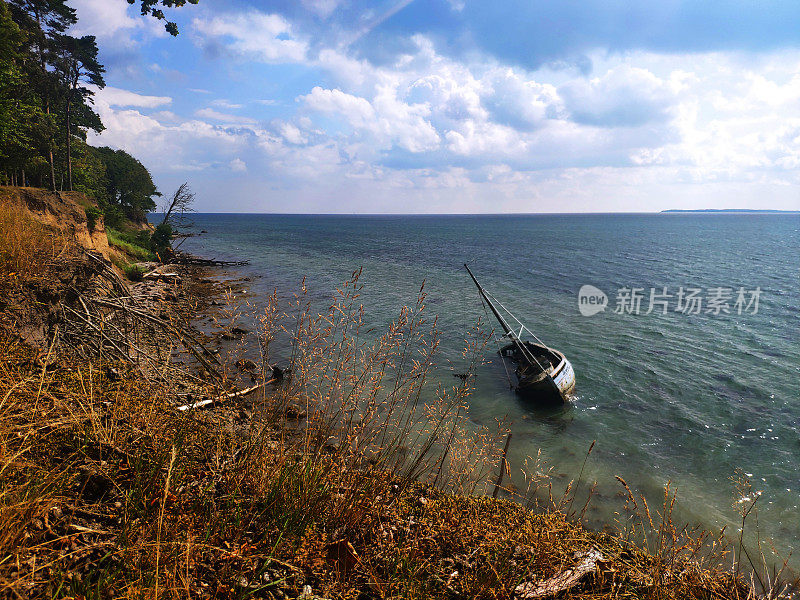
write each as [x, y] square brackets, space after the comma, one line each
[127, 183]
[47, 83]
[44, 101]
[151, 7]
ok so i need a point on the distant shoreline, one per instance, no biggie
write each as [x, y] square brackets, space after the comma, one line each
[730, 210]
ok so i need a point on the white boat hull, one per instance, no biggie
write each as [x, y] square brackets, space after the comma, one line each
[564, 377]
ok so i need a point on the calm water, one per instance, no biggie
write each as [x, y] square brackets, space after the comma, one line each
[682, 398]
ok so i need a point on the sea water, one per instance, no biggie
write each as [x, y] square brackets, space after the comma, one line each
[670, 391]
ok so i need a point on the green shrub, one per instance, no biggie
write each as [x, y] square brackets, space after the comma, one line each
[142, 239]
[161, 240]
[133, 272]
[114, 216]
[130, 244]
[92, 214]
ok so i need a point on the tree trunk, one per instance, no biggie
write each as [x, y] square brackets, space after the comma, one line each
[52, 169]
[43, 65]
[50, 152]
[69, 146]
[23, 178]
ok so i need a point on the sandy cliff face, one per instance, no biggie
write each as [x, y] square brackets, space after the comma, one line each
[64, 210]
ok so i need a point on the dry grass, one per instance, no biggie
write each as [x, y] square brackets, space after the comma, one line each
[27, 247]
[355, 475]
[108, 492]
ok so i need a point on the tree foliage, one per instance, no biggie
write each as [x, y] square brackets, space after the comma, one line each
[76, 64]
[45, 105]
[128, 186]
[47, 82]
[151, 7]
[20, 106]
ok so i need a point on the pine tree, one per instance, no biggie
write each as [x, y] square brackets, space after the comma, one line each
[77, 63]
[42, 20]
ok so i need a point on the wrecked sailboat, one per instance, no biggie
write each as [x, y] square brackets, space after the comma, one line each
[544, 374]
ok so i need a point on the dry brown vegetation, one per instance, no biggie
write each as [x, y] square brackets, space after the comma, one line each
[353, 475]
[26, 246]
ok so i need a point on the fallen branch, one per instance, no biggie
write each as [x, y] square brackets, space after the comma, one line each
[223, 398]
[563, 581]
[108, 272]
[159, 276]
[188, 259]
[81, 529]
[87, 320]
[168, 326]
[165, 324]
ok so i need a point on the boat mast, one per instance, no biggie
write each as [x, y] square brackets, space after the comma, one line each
[509, 332]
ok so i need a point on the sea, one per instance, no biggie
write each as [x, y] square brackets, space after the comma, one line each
[688, 373]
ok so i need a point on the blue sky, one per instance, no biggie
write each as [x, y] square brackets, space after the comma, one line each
[452, 106]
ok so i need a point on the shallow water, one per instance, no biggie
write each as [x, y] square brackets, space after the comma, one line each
[690, 399]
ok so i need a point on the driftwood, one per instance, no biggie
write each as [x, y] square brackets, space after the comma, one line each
[563, 581]
[157, 275]
[214, 401]
[182, 258]
[104, 318]
[108, 273]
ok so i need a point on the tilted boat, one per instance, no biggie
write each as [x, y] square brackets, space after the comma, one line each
[544, 374]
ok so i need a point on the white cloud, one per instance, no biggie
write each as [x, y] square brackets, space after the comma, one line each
[347, 70]
[297, 172]
[323, 8]
[451, 96]
[116, 24]
[387, 118]
[635, 112]
[292, 134]
[119, 97]
[404, 124]
[427, 123]
[164, 145]
[227, 104]
[267, 37]
[214, 115]
[237, 165]
[518, 101]
[625, 96]
[167, 116]
[482, 139]
[103, 18]
[358, 111]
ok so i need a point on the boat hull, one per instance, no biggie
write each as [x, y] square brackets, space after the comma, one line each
[565, 379]
[542, 391]
[551, 386]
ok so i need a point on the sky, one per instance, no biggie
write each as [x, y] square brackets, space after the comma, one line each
[457, 106]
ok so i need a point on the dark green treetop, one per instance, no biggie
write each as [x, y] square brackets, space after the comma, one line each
[150, 7]
[128, 183]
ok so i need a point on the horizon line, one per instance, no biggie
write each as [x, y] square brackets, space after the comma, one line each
[503, 214]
